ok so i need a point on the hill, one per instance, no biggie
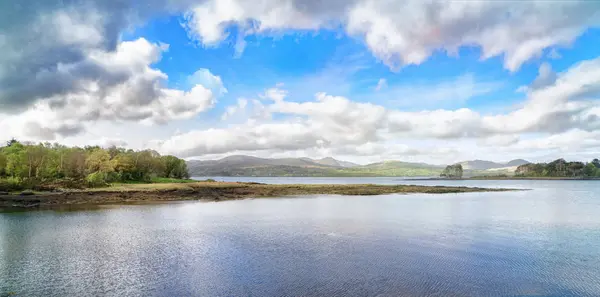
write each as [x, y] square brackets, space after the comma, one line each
[239, 165]
[487, 165]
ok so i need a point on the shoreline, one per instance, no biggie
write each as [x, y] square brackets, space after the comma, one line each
[213, 191]
[503, 178]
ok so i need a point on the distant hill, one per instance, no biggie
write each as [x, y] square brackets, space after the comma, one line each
[329, 161]
[517, 162]
[487, 165]
[240, 165]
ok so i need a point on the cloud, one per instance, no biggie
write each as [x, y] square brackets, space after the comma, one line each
[276, 94]
[382, 83]
[546, 77]
[339, 125]
[408, 32]
[65, 71]
[53, 48]
[570, 102]
[129, 91]
[455, 91]
[231, 110]
[210, 81]
[554, 54]
[109, 142]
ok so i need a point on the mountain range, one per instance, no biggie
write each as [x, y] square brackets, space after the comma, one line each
[240, 165]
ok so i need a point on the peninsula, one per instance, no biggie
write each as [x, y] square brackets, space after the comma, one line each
[208, 191]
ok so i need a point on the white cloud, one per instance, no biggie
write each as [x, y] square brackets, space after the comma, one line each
[382, 83]
[235, 109]
[546, 76]
[276, 94]
[210, 81]
[554, 54]
[552, 116]
[65, 71]
[54, 48]
[455, 91]
[408, 32]
[137, 96]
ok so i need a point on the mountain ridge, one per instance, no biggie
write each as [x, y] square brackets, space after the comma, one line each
[242, 165]
[486, 165]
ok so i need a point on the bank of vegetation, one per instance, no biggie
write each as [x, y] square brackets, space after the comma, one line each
[560, 169]
[48, 166]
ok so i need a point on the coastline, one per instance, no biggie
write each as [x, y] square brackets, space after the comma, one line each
[505, 178]
[212, 191]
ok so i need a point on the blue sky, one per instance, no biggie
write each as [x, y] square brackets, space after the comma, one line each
[359, 80]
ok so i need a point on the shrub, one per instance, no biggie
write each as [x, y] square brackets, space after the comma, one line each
[11, 184]
[97, 179]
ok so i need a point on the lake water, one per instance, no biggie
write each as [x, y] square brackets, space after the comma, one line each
[543, 242]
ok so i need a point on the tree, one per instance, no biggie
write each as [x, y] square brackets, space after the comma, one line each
[575, 168]
[559, 168]
[16, 165]
[99, 161]
[124, 166]
[35, 155]
[74, 163]
[452, 171]
[33, 164]
[3, 161]
[11, 142]
[174, 167]
[590, 170]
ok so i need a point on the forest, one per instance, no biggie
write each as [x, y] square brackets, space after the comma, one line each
[560, 168]
[51, 165]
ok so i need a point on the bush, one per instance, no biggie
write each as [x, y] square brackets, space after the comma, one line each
[97, 179]
[11, 184]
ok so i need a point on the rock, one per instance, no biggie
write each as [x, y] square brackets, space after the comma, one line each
[27, 193]
[4, 193]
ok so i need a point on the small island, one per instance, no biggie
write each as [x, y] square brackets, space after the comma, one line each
[210, 191]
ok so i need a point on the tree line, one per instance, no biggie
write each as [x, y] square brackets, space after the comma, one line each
[26, 164]
[560, 168]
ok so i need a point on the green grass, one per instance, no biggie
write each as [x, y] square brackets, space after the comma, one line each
[162, 180]
[155, 180]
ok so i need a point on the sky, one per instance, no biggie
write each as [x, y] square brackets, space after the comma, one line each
[359, 80]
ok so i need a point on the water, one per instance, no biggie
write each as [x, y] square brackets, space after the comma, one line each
[543, 242]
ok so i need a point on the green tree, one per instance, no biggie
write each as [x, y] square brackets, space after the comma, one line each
[174, 167]
[452, 171]
[74, 163]
[590, 170]
[3, 162]
[16, 165]
[31, 164]
[98, 160]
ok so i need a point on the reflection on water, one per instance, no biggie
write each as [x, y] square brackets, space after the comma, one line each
[544, 242]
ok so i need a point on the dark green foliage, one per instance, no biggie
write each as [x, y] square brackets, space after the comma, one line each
[174, 167]
[28, 166]
[452, 171]
[560, 168]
